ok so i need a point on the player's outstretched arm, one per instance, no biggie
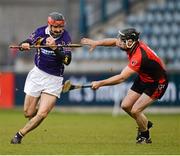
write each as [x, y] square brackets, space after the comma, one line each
[125, 74]
[94, 43]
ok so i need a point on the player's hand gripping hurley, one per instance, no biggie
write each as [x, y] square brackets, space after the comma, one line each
[69, 86]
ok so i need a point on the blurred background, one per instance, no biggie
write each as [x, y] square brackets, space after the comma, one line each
[157, 20]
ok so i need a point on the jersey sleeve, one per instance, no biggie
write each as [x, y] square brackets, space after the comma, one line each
[65, 52]
[67, 40]
[36, 38]
[135, 63]
[33, 38]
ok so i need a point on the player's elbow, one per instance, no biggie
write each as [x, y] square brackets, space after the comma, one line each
[67, 59]
[64, 56]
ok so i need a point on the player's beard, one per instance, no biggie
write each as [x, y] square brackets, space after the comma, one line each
[56, 34]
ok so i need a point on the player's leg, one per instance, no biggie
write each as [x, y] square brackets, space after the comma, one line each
[152, 92]
[129, 101]
[142, 121]
[30, 106]
[127, 105]
[36, 83]
[47, 102]
[136, 91]
[33, 87]
[133, 94]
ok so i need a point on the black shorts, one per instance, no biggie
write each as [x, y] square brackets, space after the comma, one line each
[155, 89]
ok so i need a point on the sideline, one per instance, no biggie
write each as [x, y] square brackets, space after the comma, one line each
[85, 109]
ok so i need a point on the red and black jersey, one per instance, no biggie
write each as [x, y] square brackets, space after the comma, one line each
[146, 63]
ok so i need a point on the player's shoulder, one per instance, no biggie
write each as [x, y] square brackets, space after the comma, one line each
[41, 29]
[143, 45]
[66, 35]
[136, 54]
[66, 32]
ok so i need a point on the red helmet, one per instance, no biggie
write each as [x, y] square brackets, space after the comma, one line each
[56, 19]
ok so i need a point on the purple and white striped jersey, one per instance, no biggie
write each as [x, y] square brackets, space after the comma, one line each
[47, 59]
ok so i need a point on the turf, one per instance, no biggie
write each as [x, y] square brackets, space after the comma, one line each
[84, 134]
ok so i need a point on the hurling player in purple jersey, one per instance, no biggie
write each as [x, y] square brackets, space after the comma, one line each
[44, 82]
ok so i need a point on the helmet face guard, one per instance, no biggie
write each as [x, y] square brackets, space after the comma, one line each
[128, 34]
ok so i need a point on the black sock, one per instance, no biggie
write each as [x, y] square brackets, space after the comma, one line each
[19, 135]
[145, 134]
[149, 124]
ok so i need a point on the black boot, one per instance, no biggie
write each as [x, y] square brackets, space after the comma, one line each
[144, 138]
[149, 125]
[17, 138]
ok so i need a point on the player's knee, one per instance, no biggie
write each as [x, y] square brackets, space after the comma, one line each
[135, 112]
[28, 114]
[125, 107]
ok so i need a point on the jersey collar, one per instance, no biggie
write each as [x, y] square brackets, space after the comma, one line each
[48, 33]
[133, 49]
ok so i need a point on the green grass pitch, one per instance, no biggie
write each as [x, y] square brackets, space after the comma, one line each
[77, 134]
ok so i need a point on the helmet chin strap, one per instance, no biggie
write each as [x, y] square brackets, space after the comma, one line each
[130, 45]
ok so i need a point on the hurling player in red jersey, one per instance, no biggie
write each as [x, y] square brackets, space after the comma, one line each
[151, 81]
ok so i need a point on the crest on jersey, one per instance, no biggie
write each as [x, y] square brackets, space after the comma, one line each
[134, 62]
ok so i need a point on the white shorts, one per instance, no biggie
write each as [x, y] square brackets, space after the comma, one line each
[39, 81]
